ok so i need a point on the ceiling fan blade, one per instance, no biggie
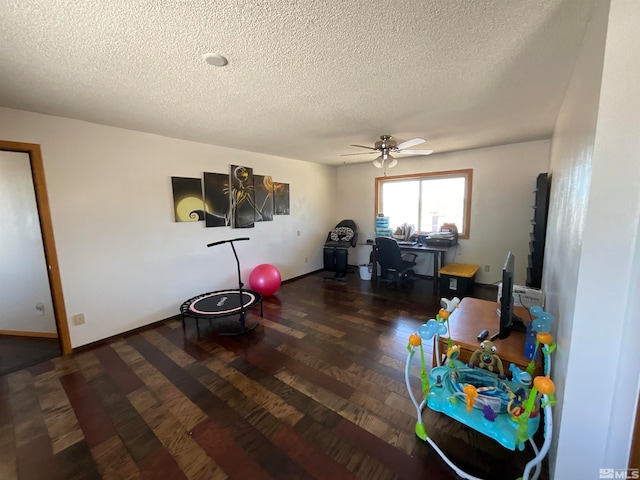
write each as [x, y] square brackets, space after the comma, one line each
[414, 152]
[411, 143]
[361, 153]
[362, 146]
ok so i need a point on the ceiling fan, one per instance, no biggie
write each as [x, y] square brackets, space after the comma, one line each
[387, 145]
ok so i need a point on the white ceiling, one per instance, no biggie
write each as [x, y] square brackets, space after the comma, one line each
[305, 79]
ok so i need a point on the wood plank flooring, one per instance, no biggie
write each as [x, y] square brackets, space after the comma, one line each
[316, 391]
[18, 352]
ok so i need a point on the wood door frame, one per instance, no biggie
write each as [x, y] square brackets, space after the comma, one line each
[46, 227]
[634, 456]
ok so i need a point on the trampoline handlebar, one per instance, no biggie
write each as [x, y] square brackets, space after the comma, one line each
[227, 241]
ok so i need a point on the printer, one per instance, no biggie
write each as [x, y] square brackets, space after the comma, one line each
[446, 237]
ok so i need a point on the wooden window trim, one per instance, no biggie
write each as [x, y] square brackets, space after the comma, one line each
[468, 172]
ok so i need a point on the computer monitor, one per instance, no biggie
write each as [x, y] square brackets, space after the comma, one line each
[509, 321]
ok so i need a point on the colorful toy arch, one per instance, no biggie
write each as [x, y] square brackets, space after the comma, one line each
[507, 410]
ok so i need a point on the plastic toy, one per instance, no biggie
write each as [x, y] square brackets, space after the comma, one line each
[486, 357]
[475, 394]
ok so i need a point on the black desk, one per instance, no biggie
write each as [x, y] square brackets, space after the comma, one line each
[438, 259]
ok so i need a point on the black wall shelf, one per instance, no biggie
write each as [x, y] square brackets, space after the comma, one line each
[539, 231]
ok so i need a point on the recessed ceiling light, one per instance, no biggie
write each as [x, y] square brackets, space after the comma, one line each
[215, 59]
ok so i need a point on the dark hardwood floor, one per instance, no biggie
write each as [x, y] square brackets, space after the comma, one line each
[316, 391]
[18, 352]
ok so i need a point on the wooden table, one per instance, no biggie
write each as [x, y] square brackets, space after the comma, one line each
[474, 315]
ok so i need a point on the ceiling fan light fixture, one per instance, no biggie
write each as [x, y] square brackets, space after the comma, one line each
[387, 145]
[385, 157]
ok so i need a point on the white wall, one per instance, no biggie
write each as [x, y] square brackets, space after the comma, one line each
[591, 265]
[24, 282]
[124, 262]
[504, 179]
[570, 167]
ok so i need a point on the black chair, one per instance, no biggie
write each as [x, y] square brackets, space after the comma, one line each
[395, 268]
[336, 248]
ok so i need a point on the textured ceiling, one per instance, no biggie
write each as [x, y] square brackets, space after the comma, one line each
[305, 79]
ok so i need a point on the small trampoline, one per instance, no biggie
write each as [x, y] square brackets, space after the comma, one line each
[221, 304]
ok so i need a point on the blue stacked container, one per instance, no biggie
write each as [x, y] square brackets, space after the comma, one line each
[382, 226]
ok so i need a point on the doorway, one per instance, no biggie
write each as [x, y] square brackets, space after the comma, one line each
[40, 337]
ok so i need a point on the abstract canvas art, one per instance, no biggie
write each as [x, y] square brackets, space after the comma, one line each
[187, 198]
[238, 199]
[242, 197]
[216, 200]
[281, 198]
[263, 188]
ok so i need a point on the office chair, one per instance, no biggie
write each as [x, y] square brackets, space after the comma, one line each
[396, 269]
[336, 248]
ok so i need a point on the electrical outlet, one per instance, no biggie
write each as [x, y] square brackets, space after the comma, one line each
[487, 268]
[78, 319]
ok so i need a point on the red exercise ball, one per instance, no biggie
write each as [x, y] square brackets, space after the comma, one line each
[265, 279]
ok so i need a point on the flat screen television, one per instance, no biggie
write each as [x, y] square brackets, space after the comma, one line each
[509, 321]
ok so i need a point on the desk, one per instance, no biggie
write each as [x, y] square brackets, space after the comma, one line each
[474, 315]
[438, 259]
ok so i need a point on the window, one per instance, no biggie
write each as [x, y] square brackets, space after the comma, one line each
[427, 200]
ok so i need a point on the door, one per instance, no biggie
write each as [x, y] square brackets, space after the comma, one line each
[30, 287]
[26, 307]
